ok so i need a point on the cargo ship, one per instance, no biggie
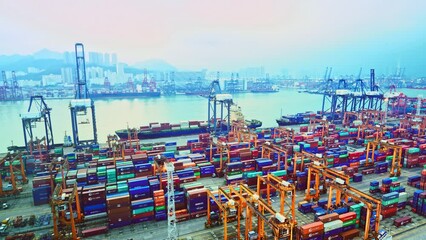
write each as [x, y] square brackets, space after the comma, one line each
[184, 128]
[123, 94]
[265, 89]
[298, 118]
[162, 130]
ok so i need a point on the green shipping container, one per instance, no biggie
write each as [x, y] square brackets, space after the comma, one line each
[348, 223]
[142, 210]
[160, 208]
[280, 173]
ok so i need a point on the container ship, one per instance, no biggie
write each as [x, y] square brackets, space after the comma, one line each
[123, 94]
[162, 130]
[184, 128]
[265, 89]
[299, 118]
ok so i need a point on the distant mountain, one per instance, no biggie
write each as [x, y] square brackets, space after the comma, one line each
[43, 59]
[47, 54]
[155, 65]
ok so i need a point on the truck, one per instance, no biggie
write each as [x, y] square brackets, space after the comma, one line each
[252, 235]
[3, 229]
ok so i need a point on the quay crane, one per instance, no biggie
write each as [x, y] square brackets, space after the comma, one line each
[82, 102]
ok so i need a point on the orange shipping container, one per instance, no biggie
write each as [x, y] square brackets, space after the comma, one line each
[312, 227]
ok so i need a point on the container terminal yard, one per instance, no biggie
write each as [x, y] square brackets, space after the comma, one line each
[353, 170]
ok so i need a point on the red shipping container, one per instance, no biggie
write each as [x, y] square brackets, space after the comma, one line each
[347, 216]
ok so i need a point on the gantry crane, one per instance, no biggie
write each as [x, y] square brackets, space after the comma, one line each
[284, 133]
[269, 149]
[245, 135]
[265, 213]
[228, 211]
[343, 189]
[378, 131]
[237, 126]
[371, 116]
[324, 125]
[411, 121]
[349, 117]
[286, 190]
[82, 103]
[222, 149]
[60, 165]
[395, 167]
[305, 155]
[9, 163]
[224, 101]
[38, 111]
[64, 219]
[162, 164]
[132, 138]
[319, 170]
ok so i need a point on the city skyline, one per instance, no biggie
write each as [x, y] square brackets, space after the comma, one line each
[279, 35]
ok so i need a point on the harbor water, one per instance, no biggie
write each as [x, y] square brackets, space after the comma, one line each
[113, 114]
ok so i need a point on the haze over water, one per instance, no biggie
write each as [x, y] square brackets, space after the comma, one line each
[118, 113]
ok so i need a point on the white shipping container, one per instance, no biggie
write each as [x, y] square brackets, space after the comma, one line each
[333, 225]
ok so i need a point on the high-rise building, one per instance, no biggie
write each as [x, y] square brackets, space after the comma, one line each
[114, 59]
[67, 75]
[120, 71]
[107, 60]
[96, 58]
[51, 79]
[68, 58]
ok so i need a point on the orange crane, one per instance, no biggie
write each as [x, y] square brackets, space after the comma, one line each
[245, 135]
[64, 217]
[379, 131]
[395, 167]
[414, 121]
[348, 116]
[368, 116]
[237, 126]
[265, 213]
[222, 149]
[10, 163]
[61, 165]
[228, 211]
[324, 125]
[269, 148]
[132, 138]
[286, 190]
[319, 171]
[285, 133]
[305, 155]
[370, 202]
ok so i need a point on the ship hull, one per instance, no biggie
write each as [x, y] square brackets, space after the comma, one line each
[123, 134]
[125, 95]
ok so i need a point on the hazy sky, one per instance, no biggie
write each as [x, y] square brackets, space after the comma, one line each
[228, 34]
